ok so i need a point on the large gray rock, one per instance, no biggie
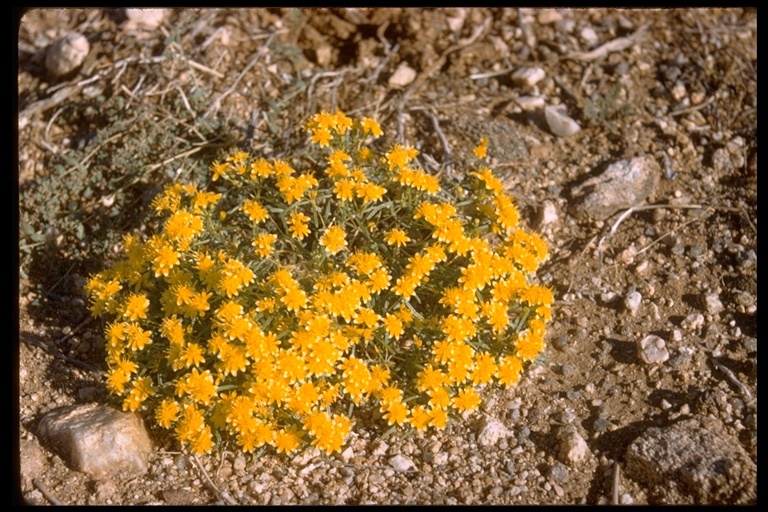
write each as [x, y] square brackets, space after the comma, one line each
[98, 440]
[623, 184]
[693, 462]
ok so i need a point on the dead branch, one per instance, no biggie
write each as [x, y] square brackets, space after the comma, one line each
[615, 45]
[224, 495]
[735, 381]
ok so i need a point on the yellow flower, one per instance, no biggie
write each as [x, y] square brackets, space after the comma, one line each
[294, 299]
[164, 258]
[202, 442]
[117, 379]
[482, 149]
[508, 371]
[191, 355]
[261, 168]
[529, 344]
[255, 211]
[167, 412]
[397, 237]
[379, 280]
[537, 295]
[136, 337]
[466, 400]
[198, 385]
[420, 417]
[219, 169]
[370, 192]
[263, 244]
[438, 417]
[333, 239]
[357, 378]
[288, 440]
[297, 225]
[136, 307]
[395, 412]
[344, 190]
[431, 378]
[393, 326]
[371, 127]
[484, 370]
[399, 156]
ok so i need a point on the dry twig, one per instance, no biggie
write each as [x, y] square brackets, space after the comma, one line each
[629, 211]
[254, 60]
[224, 494]
[615, 45]
[447, 153]
[48, 494]
[735, 381]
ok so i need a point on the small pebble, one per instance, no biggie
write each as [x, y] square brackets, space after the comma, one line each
[573, 448]
[559, 122]
[528, 76]
[558, 472]
[403, 76]
[589, 36]
[143, 19]
[632, 302]
[712, 303]
[401, 463]
[652, 350]
[546, 215]
[530, 103]
[693, 322]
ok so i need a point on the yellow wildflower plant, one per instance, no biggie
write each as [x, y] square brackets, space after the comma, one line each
[294, 294]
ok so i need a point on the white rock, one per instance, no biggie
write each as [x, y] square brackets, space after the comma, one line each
[324, 55]
[66, 54]
[491, 431]
[403, 75]
[381, 449]
[528, 76]
[573, 448]
[589, 36]
[145, 19]
[347, 454]
[679, 91]
[712, 303]
[559, 122]
[632, 302]
[401, 463]
[693, 322]
[547, 214]
[239, 463]
[98, 440]
[652, 350]
[547, 16]
[530, 103]
[456, 22]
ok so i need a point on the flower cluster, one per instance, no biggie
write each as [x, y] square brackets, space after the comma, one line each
[270, 308]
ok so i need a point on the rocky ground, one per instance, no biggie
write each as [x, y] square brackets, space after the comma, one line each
[643, 181]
